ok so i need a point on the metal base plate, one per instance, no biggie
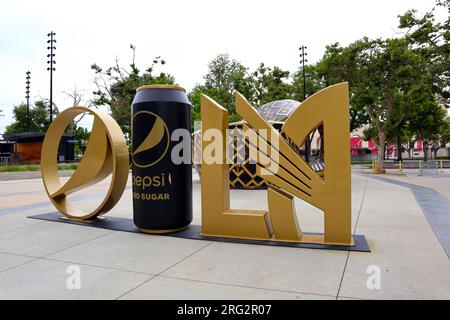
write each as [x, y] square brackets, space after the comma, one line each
[193, 232]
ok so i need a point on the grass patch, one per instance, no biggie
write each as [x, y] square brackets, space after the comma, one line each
[34, 167]
[362, 162]
[67, 166]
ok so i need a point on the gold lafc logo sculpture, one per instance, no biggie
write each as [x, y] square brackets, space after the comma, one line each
[292, 177]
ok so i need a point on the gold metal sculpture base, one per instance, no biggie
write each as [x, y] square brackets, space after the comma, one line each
[308, 238]
[91, 220]
[311, 238]
[193, 233]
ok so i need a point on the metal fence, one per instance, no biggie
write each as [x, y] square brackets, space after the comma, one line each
[435, 168]
[366, 158]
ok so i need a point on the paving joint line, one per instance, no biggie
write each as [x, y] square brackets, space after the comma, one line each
[33, 258]
[134, 288]
[360, 206]
[246, 287]
[20, 264]
[354, 230]
[356, 298]
[96, 266]
[77, 244]
[23, 227]
[187, 257]
[19, 254]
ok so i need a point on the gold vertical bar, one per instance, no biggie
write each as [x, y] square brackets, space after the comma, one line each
[217, 217]
[282, 215]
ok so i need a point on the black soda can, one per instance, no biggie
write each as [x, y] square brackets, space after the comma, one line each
[162, 188]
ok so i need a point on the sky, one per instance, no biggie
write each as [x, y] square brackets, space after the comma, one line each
[186, 34]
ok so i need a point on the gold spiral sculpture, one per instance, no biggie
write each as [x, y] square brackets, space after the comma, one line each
[106, 153]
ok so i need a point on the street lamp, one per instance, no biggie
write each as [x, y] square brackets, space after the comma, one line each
[303, 55]
[51, 46]
[27, 92]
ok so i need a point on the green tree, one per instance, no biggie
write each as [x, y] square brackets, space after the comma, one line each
[431, 39]
[381, 74]
[270, 84]
[427, 119]
[224, 76]
[440, 139]
[314, 82]
[81, 135]
[444, 135]
[399, 135]
[194, 97]
[339, 64]
[39, 118]
[116, 86]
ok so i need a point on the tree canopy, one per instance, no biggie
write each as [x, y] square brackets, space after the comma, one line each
[225, 75]
[116, 86]
[39, 118]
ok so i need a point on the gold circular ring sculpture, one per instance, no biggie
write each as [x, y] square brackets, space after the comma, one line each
[105, 154]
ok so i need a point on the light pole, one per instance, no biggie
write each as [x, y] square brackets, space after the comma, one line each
[27, 92]
[303, 55]
[51, 46]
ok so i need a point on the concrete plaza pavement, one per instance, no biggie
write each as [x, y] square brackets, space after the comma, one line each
[36, 256]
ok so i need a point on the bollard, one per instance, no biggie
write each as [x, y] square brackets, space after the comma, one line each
[375, 166]
[420, 168]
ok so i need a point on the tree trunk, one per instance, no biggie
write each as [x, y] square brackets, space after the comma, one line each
[381, 153]
[307, 149]
[410, 149]
[399, 143]
[425, 150]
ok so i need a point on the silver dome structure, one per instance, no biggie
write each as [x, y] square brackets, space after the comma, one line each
[278, 111]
